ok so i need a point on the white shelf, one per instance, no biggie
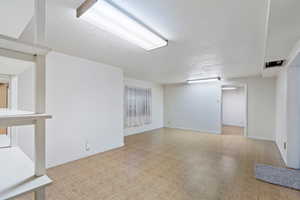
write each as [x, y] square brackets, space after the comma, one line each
[17, 174]
[4, 140]
[23, 47]
[19, 117]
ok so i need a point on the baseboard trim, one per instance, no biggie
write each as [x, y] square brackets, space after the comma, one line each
[281, 153]
[92, 153]
[197, 130]
[236, 125]
[260, 138]
[141, 132]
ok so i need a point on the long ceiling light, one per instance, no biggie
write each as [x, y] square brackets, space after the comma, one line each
[112, 19]
[229, 88]
[204, 80]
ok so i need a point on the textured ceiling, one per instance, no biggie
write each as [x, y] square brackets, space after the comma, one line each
[284, 28]
[206, 38]
[14, 16]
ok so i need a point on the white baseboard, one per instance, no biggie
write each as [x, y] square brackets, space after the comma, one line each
[87, 154]
[191, 129]
[237, 125]
[140, 132]
[261, 138]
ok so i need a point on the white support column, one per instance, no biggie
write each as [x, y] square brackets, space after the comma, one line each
[40, 194]
[14, 106]
[40, 95]
[40, 84]
[40, 21]
[40, 153]
[266, 33]
[293, 117]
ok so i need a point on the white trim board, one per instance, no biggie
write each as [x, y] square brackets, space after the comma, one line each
[89, 154]
[237, 125]
[260, 138]
[12, 45]
[210, 132]
[196, 130]
[281, 153]
[139, 132]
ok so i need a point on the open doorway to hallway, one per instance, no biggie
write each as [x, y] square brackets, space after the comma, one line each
[4, 103]
[234, 110]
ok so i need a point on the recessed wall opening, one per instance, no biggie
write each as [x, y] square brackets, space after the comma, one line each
[5, 139]
[10, 71]
[234, 110]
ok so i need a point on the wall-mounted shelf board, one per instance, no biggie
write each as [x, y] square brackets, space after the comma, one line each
[23, 47]
[17, 174]
[18, 117]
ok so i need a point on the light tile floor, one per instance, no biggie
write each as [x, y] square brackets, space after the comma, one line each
[171, 164]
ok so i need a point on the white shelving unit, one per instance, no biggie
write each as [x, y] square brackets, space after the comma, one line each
[18, 118]
[19, 174]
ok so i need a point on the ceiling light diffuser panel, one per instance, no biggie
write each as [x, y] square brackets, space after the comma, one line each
[108, 17]
[229, 88]
[204, 80]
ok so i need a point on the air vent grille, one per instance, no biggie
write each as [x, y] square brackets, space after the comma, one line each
[275, 63]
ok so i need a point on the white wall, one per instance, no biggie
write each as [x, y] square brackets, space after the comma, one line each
[197, 106]
[25, 101]
[86, 101]
[293, 116]
[193, 106]
[157, 106]
[261, 106]
[233, 107]
[281, 112]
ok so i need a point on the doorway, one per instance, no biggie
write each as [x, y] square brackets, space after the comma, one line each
[4, 104]
[234, 110]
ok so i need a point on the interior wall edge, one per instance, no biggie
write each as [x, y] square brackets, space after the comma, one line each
[280, 151]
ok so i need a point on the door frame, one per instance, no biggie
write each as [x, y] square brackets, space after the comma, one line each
[6, 79]
[245, 87]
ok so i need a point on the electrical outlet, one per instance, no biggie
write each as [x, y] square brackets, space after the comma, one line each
[87, 146]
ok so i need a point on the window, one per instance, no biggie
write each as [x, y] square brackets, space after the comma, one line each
[137, 106]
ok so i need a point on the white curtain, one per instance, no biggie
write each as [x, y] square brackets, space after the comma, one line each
[137, 109]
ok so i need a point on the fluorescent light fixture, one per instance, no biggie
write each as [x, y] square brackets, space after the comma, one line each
[229, 88]
[112, 19]
[204, 80]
